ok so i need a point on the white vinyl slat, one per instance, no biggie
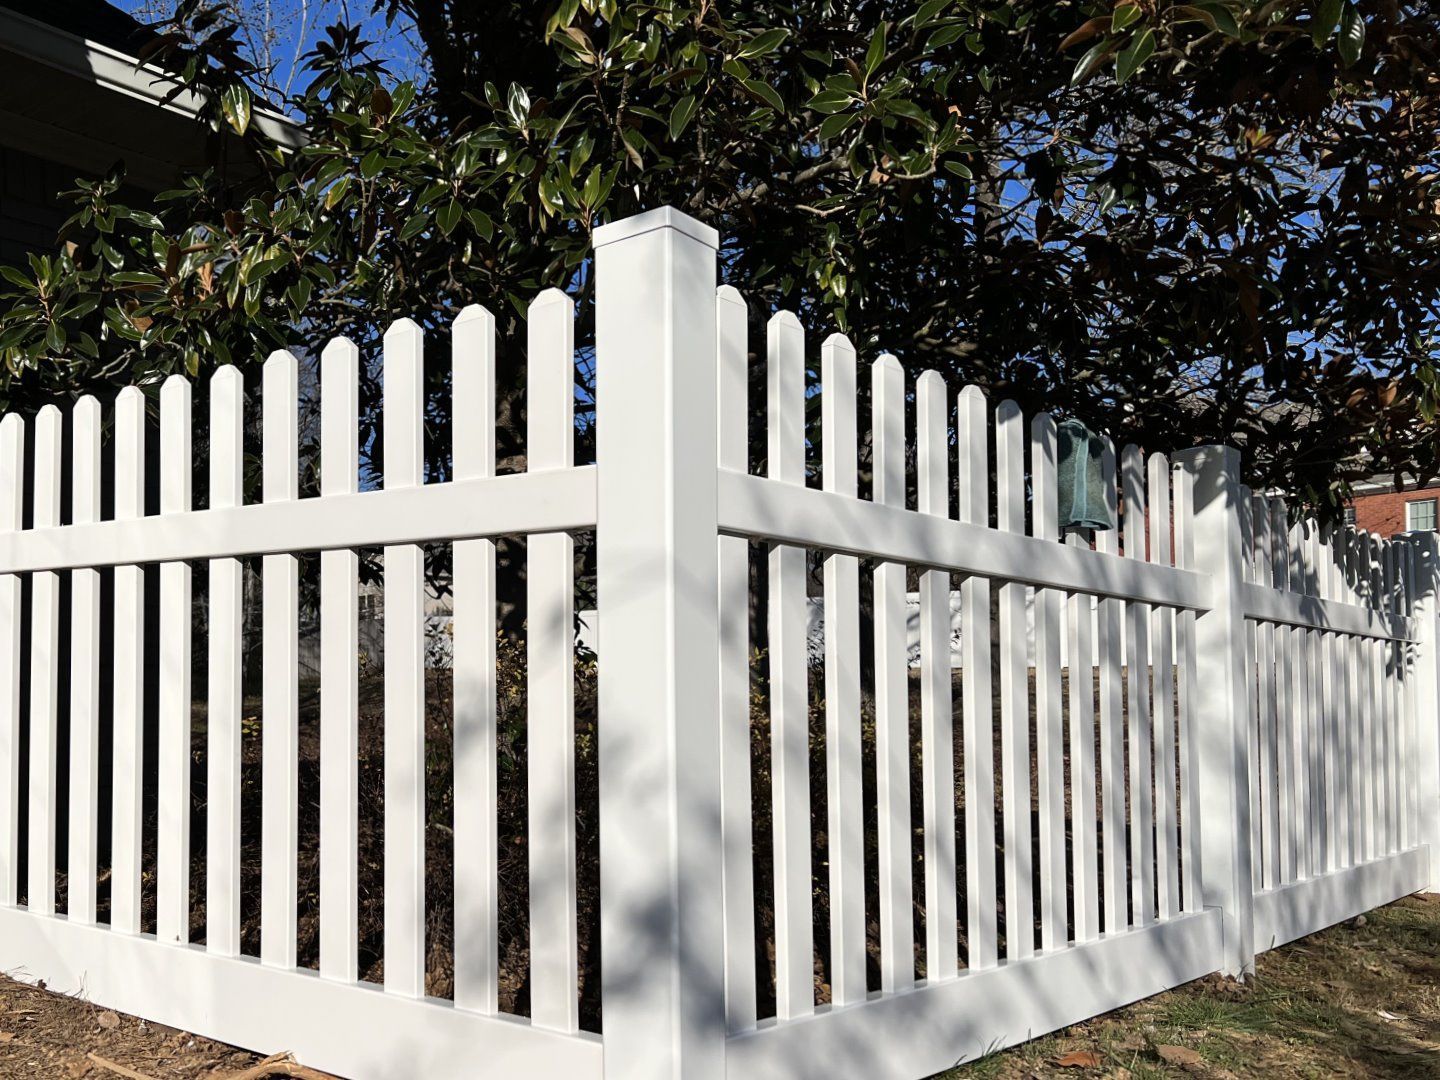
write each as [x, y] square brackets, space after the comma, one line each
[339, 676]
[550, 677]
[1137, 669]
[971, 434]
[44, 671]
[84, 671]
[733, 452]
[1344, 711]
[172, 878]
[1329, 714]
[1265, 812]
[789, 693]
[1014, 694]
[937, 738]
[1109, 657]
[1084, 805]
[892, 693]
[476, 850]
[1191, 899]
[1285, 805]
[404, 635]
[1167, 851]
[1302, 704]
[279, 659]
[12, 491]
[843, 754]
[129, 673]
[1252, 704]
[1049, 716]
[225, 692]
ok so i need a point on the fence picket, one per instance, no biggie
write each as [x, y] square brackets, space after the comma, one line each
[1252, 703]
[339, 677]
[733, 570]
[550, 677]
[1167, 874]
[1137, 670]
[279, 704]
[1264, 813]
[892, 692]
[84, 671]
[1108, 647]
[937, 738]
[44, 670]
[1188, 736]
[1014, 694]
[476, 848]
[172, 878]
[12, 492]
[789, 692]
[1049, 722]
[843, 752]
[129, 690]
[1287, 807]
[1084, 861]
[225, 690]
[972, 435]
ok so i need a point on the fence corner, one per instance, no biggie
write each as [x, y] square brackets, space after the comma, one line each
[657, 587]
[1221, 713]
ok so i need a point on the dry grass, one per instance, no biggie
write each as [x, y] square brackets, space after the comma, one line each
[1358, 1000]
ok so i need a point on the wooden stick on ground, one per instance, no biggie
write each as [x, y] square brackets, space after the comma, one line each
[116, 1068]
[277, 1065]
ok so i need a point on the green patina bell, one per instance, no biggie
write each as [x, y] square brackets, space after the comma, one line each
[1081, 492]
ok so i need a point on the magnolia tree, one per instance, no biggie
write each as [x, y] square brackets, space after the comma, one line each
[1177, 222]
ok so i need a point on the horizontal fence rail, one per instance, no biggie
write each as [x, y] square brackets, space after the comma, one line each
[832, 756]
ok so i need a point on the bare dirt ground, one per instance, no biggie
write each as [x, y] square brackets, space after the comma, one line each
[1358, 1000]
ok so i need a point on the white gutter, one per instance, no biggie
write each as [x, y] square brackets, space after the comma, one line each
[120, 73]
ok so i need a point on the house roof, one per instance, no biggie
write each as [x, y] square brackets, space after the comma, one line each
[70, 95]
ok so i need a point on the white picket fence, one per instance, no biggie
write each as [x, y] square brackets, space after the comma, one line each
[1263, 762]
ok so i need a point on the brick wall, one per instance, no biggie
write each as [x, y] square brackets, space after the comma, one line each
[1383, 512]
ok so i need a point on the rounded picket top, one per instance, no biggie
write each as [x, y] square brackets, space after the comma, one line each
[86, 410]
[473, 313]
[339, 351]
[174, 388]
[837, 340]
[970, 394]
[12, 426]
[931, 382]
[403, 329]
[786, 319]
[280, 358]
[226, 376]
[129, 397]
[887, 362]
[551, 296]
[48, 418]
[729, 294]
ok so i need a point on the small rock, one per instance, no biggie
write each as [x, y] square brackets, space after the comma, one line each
[108, 1020]
[1358, 921]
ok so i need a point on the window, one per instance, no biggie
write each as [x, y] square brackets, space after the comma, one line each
[1349, 515]
[1420, 515]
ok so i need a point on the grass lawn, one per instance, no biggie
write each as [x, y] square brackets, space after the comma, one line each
[1361, 999]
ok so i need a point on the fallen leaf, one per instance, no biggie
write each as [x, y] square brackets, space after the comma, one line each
[1178, 1055]
[6, 1036]
[1079, 1059]
[108, 1020]
[1387, 1015]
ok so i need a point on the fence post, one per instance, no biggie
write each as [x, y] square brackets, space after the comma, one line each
[1223, 746]
[662, 943]
[1427, 696]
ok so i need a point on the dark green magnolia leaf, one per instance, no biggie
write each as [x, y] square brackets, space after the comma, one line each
[1087, 64]
[15, 277]
[55, 338]
[681, 115]
[1134, 55]
[960, 169]
[414, 226]
[929, 10]
[830, 101]
[876, 52]
[235, 105]
[835, 124]
[1224, 19]
[1352, 34]
[448, 216]
[944, 36]
[1324, 21]
[766, 93]
[1123, 16]
[762, 44]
